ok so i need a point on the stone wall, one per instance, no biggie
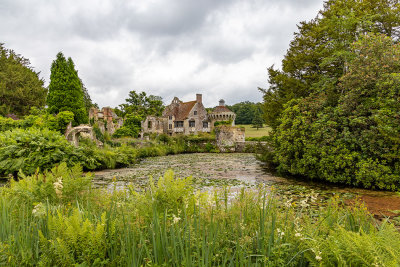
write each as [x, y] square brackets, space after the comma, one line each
[228, 137]
[154, 124]
[106, 119]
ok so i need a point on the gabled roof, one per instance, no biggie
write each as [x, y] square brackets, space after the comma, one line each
[181, 111]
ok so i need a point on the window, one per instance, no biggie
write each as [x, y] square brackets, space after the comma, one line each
[179, 124]
[195, 112]
[192, 124]
[170, 126]
[170, 117]
[149, 124]
[205, 124]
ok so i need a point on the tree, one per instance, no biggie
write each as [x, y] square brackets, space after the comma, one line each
[357, 140]
[131, 127]
[257, 119]
[142, 105]
[20, 86]
[65, 90]
[245, 111]
[86, 98]
[320, 51]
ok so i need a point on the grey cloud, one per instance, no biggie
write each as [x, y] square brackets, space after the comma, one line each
[119, 45]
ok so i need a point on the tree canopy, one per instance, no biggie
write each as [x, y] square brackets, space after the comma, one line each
[20, 86]
[65, 90]
[135, 110]
[246, 111]
[142, 104]
[320, 51]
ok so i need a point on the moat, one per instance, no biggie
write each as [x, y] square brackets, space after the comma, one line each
[238, 170]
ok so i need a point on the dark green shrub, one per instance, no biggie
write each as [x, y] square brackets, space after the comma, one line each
[30, 149]
[357, 141]
[218, 123]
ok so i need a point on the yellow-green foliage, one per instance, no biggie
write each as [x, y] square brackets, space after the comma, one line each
[170, 224]
[74, 239]
[60, 184]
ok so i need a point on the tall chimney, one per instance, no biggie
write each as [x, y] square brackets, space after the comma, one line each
[199, 98]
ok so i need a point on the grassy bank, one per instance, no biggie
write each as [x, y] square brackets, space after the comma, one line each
[56, 218]
[253, 132]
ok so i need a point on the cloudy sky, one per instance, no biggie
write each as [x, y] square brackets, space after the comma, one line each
[220, 48]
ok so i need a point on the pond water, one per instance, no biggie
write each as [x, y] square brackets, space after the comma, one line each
[239, 170]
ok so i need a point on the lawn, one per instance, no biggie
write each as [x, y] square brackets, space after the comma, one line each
[253, 132]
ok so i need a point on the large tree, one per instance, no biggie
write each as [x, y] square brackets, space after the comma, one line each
[356, 141]
[65, 90]
[20, 86]
[142, 104]
[87, 99]
[320, 51]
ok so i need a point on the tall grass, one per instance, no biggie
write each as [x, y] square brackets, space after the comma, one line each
[171, 224]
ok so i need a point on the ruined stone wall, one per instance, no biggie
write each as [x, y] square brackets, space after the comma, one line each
[228, 137]
[154, 124]
[107, 120]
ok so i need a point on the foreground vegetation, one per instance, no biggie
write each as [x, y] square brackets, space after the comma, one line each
[56, 218]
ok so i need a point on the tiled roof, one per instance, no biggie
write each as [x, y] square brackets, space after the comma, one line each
[181, 111]
[220, 109]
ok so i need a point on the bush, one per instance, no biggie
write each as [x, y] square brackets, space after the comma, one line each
[58, 185]
[355, 141]
[41, 121]
[219, 123]
[28, 150]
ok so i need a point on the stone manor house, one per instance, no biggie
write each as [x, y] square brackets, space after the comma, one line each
[187, 118]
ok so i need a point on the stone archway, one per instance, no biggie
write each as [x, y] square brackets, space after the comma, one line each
[72, 134]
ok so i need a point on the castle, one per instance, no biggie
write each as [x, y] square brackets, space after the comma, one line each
[187, 118]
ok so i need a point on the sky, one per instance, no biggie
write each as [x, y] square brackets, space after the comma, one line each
[219, 48]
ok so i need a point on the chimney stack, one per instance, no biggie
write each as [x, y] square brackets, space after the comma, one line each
[199, 98]
[222, 102]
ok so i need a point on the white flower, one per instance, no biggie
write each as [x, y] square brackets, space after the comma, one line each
[280, 233]
[297, 235]
[318, 258]
[303, 203]
[58, 186]
[176, 219]
[38, 210]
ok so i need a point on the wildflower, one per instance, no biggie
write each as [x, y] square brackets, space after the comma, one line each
[303, 203]
[176, 219]
[297, 235]
[280, 233]
[58, 186]
[38, 210]
[318, 256]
